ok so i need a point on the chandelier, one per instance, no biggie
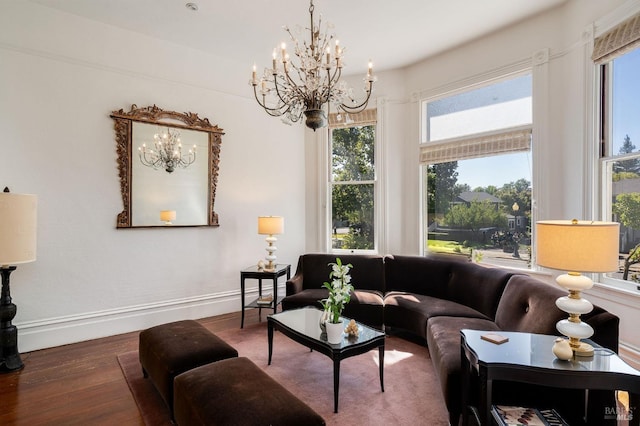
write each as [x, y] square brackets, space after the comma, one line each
[167, 153]
[310, 80]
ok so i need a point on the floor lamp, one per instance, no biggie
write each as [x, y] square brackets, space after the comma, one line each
[18, 218]
[577, 246]
[270, 226]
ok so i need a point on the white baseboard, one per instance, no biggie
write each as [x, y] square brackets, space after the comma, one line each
[51, 332]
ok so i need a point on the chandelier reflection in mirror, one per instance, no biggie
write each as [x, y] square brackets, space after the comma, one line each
[167, 154]
[309, 81]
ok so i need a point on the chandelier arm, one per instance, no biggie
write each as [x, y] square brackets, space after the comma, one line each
[358, 108]
[274, 112]
[331, 80]
[363, 104]
[291, 83]
[278, 112]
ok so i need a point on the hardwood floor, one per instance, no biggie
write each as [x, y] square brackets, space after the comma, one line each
[81, 384]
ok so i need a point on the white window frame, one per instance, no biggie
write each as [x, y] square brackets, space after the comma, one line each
[325, 176]
[537, 66]
[601, 188]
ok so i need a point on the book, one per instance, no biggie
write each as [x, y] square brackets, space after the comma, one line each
[494, 338]
[265, 299]
[506, 415]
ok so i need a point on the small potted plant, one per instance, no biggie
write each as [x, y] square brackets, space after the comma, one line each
[339, 295]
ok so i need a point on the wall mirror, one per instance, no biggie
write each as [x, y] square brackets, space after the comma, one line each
[168, 165]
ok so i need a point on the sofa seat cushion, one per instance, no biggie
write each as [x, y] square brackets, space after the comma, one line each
[411, 311]
[443, 339]
[308, 297]
[365, 306]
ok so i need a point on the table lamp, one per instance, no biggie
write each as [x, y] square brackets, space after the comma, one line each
[18, 214]
[167, 216]
[577, 246]
[270, 226]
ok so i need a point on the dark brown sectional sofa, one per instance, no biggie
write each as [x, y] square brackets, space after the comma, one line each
[434, 297]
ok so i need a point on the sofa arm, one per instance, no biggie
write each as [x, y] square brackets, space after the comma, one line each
[605, 326]
[294, 285]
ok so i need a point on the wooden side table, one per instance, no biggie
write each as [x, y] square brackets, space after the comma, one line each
[259, 274]
[527, 358]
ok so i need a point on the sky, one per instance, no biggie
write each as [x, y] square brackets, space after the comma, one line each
[626, 99]
[496, 170]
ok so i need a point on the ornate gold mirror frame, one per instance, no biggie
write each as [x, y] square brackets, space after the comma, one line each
[124, 128]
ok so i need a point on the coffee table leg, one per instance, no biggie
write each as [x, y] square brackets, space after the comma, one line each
[381, 357]
[270, 334]
[336, 383]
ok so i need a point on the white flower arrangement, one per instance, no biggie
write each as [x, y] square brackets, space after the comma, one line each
[339, 290]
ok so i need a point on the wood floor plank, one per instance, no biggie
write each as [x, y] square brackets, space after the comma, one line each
[82, 383]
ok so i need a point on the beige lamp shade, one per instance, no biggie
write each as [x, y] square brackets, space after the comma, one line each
[18, 224]
[270, 225]
[167, 215]
[577, 245]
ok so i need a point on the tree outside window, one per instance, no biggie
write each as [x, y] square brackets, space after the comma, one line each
[353, 188]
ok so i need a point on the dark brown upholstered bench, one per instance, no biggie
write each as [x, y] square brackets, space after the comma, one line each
[236, 392]
[170, 349]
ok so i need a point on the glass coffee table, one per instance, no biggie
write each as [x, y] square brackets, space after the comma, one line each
[303, 326]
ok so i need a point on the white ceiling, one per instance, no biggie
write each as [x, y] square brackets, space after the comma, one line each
[392, 33]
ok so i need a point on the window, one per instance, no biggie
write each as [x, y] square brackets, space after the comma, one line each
[352, 182]
[476, 172]
[620, 161]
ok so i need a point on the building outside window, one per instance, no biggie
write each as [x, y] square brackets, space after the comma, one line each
[352, 182]
[476, 172]
[619, 145]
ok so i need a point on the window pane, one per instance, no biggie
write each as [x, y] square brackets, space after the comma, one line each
[481, 205]
[498, 106]
[625, 188]
[353, 153]
[352, 217]
[621, 185]
[625, 103]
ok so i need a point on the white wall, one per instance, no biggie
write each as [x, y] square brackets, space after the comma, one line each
[60, 78]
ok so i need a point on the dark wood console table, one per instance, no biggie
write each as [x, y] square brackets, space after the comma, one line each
[527, 358]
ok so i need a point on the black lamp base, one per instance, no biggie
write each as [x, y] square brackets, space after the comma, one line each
[9, 355]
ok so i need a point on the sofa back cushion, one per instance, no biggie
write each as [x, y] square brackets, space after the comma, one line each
[448, 277]
[367, 272]
[529, 305]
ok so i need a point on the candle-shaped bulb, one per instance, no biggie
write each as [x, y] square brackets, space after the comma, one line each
[328, 55]
[273, 66]
[337, 48]
[283, 47]
[253, 74]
